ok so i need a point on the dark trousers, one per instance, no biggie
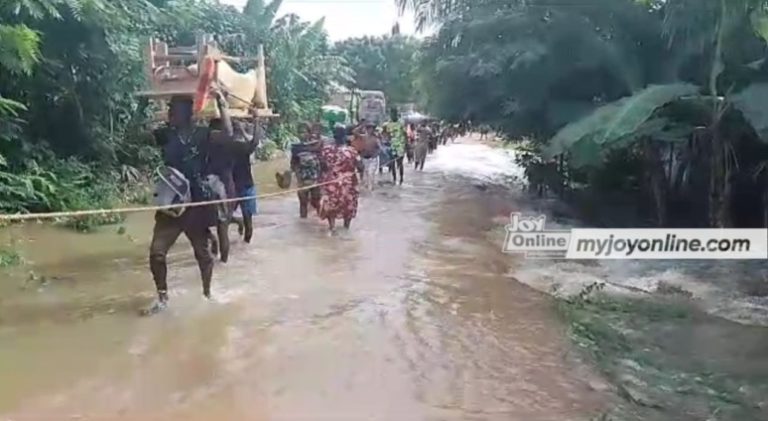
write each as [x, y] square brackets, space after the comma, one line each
[409, 152]
[309, 197]
[421, 155]
[395, 167]
[222, 234]
[194, 223]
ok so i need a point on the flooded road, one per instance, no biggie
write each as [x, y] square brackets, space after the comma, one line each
[409, 316]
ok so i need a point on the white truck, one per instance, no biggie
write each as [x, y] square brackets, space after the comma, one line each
[372, 107]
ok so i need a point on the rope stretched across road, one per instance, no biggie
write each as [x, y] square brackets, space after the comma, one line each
[137, 209]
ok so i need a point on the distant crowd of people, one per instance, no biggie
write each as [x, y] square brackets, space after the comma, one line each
[355, 156]
[212, 162]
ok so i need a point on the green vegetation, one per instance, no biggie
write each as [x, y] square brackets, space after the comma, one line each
[9, 257]
[651, 350]
[386, 64]
[73, 135]
[655, 105]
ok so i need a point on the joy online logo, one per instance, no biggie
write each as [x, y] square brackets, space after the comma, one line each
[520, 223]
[526, 234]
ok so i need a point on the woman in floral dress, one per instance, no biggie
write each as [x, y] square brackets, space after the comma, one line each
[340, 163]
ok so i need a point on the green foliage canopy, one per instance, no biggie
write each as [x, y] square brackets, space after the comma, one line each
[69, 70]
[386, 64]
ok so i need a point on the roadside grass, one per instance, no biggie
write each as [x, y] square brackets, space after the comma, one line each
[10, 257]
[651, 350]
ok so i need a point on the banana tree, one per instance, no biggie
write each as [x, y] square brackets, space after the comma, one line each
[622, 124]
[634, 121]
[752, 102]
[719, 28]
[642, 121]
[725, 25]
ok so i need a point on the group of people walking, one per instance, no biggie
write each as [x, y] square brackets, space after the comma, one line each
[330, 171]
[201, 163]
[210, 163]
[326, 172]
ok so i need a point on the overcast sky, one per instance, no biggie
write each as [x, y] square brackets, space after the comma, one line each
[347, 18]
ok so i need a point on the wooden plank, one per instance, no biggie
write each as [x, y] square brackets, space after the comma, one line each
[266, 113]
[186, 57]
[165, 94]
[183, 50]
[161, 51]
[261, 87]
[236, 113]
[149, 57]
[176, 57]
[240, 59]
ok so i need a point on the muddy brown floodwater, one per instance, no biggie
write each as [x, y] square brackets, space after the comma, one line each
[409, 316]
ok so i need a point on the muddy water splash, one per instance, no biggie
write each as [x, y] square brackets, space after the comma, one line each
[409, 316]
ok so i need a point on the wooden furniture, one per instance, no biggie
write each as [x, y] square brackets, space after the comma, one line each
[174, 71]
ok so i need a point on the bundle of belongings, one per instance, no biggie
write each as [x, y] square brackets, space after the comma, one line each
[214, 188]
[305, 161]
[171, 188]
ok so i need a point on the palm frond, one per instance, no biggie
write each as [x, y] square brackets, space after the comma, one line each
[19, 48]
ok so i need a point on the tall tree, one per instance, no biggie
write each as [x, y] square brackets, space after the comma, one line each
[384, 64]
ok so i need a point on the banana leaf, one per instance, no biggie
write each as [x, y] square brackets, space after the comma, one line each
[587, 127]
[560, 113]
[585, 153]
[588, 153]
[660, 129]
[753, 104]
[616, 124]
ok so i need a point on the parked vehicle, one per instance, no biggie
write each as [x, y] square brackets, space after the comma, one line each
[372, 107]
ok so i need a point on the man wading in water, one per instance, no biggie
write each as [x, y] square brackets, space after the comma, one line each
[396, 133]
[221, 161]
[185, 148]
[423, 137]
[243, 178]
[370, 156]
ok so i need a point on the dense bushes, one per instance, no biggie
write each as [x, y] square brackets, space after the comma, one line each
[72, 133]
